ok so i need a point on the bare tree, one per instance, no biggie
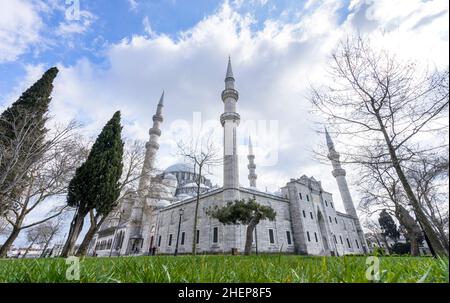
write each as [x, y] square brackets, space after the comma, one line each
[49, 230]
[429, 178]
[133, 160]
[46, 181]
[378, 101]
[203, 155]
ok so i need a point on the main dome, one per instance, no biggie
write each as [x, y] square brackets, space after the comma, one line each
[180, 167]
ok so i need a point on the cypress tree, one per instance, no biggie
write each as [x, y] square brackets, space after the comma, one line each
[22, 136]
[96, 185]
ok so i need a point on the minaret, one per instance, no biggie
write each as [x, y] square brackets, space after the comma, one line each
[230, 120]
[151, 148]
[251, 164]
[339, 173]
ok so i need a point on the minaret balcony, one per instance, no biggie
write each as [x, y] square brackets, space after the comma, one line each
[158, 118]
[151, 144]
[338, 172]
[154, 131]
[230, 93]
[235, 117]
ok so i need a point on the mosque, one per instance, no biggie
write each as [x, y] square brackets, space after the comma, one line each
[159, 217]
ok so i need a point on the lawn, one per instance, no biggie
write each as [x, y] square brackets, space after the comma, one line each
[263, 268]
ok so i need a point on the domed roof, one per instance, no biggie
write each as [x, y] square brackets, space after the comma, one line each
[162, 203]
[192, 184]
[169, 176]
[180, 167]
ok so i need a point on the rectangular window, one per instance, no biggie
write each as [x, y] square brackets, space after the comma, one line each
[326, 203]
[331, 221]
[340, 237]
[310, 213]
[170, 240]
[348, 243]
[331, 204]
[215, 234]
[309, 238]
[304, 214]
[288, 237]
[335, 220]
[159, 241]
[198, 236]
[307, 198]
[315, 236]
[183, 235]
[357, 245]
[271, 237]
[335, 240]
[300, 195]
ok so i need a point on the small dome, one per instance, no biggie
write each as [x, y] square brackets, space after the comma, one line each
[193, 185]
[170, 176]
[162, 204]
[183, 197]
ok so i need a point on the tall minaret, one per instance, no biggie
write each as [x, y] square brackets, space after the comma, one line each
[251, 164]
[151, 148]
[339, 173]
[230, 120]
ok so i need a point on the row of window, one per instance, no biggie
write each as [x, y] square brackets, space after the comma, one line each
[348, 241]
[103, 244]
[307, 199]
[215, 238]
[335, 240]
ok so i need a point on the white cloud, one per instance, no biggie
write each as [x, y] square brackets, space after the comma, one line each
[133, 5]
[20, 25]
[273, 67]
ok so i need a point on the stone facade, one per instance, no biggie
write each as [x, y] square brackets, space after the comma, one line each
[306, 220]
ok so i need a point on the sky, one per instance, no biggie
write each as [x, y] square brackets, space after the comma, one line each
[121, 54]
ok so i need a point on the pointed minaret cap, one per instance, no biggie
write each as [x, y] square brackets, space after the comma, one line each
[250, 146]
[229, 70]
[330, 143]
[161, 100]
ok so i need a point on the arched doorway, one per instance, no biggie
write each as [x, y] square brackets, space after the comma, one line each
[323, 232]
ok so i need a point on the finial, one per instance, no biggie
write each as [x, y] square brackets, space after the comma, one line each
[229, 69]
[161, 100]
[330, 143]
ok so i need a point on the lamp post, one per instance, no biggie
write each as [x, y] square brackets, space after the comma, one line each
[178, 234]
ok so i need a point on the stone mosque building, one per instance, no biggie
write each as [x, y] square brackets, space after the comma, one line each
[161, 213]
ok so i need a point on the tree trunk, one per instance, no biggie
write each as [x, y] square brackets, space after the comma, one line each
[28, 249]
[428, 229]
[414, 246]
[84, 246]
[194, 238]
[9, 241]
[249, 238]
[47, 243]
[75, 228]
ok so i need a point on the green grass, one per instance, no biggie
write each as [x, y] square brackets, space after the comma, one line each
[263, 268]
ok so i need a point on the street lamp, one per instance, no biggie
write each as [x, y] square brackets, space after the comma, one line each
[178, 234]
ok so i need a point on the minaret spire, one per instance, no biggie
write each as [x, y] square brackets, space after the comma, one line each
[151, 149]
[230, 121]
[330, 143]
[251, 164]
[339, 173]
